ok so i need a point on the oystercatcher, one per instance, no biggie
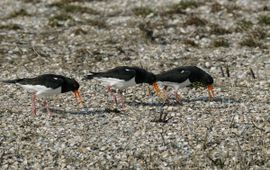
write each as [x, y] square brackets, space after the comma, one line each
[122, 77]
[46, 85]
[186, 76]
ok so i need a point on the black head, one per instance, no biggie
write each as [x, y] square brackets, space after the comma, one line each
[200, 77]
[70, 85]
[210, 80]
[203, 80]
[143, 76]
[207, 80]
[150, 78]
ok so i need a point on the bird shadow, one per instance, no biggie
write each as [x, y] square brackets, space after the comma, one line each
[225, 100]
[215, 99]
[86, 111]
[100, 111]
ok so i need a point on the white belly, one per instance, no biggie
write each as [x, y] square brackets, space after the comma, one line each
[117, 83]
[41, 90]
[174, 84]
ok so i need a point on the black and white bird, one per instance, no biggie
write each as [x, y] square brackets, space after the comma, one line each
[186, 76]
[122, 77]
[47, 85]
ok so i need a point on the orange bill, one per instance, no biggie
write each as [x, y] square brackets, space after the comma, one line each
[78, 97]
[158, 92]
[210, 89]
[156, 88]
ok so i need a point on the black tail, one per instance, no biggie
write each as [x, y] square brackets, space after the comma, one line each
[90, 76]
[12, 81]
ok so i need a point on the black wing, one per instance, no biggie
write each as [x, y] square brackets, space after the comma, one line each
[12, 81]
[123, 73]
[48, 80]
[175, 75]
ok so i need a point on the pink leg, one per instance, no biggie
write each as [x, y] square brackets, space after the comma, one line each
[111, 93]
[47, 107]
[165, 93]
[122, 99]
[177, 96]
[34, 108]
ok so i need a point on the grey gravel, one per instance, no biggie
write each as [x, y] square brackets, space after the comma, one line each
[230, 132]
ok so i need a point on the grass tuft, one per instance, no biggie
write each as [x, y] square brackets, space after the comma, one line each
[190, 42]
[58, 20]
[142, 11]
[100, 23]
[258, 33]
[79, 9]
[179, 8]
[193, 20]
[243, 25]
[220, 42]
[250, 42]
[21, 12]
[264, 19]
[217, 30]
[70, 8]
[186, 4]
[147, 31]
[216, 7]
[10, 27]
[80, 31]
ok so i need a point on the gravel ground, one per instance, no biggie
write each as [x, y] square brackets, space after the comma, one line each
[229, 39]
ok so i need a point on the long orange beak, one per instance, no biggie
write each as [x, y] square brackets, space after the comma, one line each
[158, 92]
[210, 89]
[78, 97]
[156, 88]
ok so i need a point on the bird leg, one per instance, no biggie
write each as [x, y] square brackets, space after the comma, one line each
[122, 99]
[111, 94]
[34, 108]
[210, 89]
[165, 94]
[158, 92]
[177, 96]
[78, 98]
[47, 108]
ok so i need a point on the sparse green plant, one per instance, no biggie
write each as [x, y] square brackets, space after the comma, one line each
[21, 12]
[220, 42]
[79, 31]
[258, 33]
[100, 23]
[179, 8]
[216, 162]
[265, 8]
[250, 42]
[10, 27]
[243, 25]
[79, 9]
[31, 1]
[142, 11]
[264, 19]
[194, 20]
[216, 29]
[216, 7]
[147, 31]
[57, 4]
[186, 4]
[70, 8]
[57, 20]
[190, 42]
